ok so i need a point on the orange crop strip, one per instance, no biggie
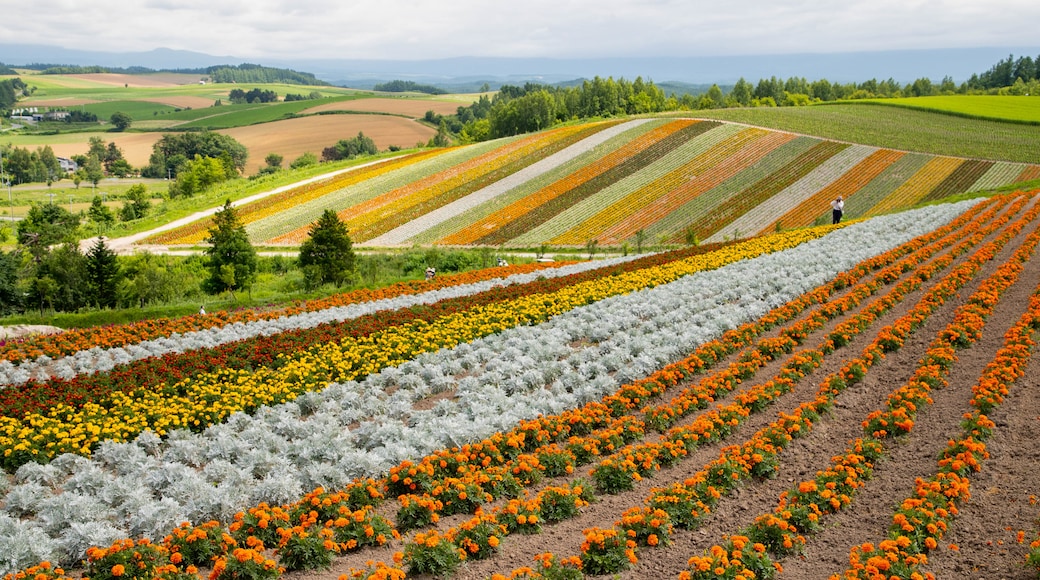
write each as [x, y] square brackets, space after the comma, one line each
[917, 186]
[846, 186]
[632, 210]
[261, 208]
[372, 210]
[481, 228]
[677, 178]
[1029, 173]
[452, 176]
[751, 153]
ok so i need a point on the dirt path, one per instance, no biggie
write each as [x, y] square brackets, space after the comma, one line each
[129, 244]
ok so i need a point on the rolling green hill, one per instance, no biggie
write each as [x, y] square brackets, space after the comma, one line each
[613, 183]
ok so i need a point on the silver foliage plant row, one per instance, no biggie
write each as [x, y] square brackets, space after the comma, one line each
[103, 360]
[146, 487]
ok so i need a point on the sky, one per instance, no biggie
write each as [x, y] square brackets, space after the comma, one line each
[427, 29]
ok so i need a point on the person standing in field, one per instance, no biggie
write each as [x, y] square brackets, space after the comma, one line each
[837, 207]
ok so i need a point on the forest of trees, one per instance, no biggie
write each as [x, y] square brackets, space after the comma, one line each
[399, 86]
[254, 73]
[172, 151]
[1006, 73]
[252, 96]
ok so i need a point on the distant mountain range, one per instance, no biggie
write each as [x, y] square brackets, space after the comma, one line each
[903, 66]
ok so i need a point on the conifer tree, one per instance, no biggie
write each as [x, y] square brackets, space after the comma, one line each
[231, 258]
[102, 274]
[328, 254]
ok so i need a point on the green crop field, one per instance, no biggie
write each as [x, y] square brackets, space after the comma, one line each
[136, 109]
[248, 114]
[898, 128]
[1020, 109]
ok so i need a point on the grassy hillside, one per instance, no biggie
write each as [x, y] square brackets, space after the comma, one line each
[898, 128]
[633, 182]
[1018, 109]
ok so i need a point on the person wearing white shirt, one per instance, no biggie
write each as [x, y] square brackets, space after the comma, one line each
[837, 207]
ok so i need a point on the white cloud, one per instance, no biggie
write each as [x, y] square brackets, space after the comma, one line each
[423, 29]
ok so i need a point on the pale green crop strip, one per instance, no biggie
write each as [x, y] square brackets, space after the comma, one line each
[703, 205]
[1002, 173]
[884, 184]
[573, 216]
[483, 210]
[308, 212]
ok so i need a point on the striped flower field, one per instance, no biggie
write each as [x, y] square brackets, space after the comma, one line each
[632, 182]
[809, 403]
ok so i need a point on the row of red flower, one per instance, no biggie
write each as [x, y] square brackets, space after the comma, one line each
[156, 372]
[116, 335]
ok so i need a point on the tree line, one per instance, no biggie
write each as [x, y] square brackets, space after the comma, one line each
[254, 73]
[399, 86]
[47, 271]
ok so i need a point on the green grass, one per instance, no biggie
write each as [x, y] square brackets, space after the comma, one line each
[244, 115]
[174, 209]
[1016, 109]
[138, 110]
[897, 128]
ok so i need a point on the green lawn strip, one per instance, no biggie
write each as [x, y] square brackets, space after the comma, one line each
[638, 162]
[491, 206]
[405, 215]
[569, 217]
[960, 180]
[1010, 108]
[250, 114]
[307, 212]
[138, 110]
[878, 188]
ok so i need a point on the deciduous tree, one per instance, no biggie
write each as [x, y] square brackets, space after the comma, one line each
[121, 121]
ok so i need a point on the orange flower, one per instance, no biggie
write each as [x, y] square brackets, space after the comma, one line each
[118, 570]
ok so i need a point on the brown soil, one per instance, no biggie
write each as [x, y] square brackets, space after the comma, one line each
[414, 108]
[985, 530]
[293, 137]
[136, 147]
[290, 138]
[62, 102]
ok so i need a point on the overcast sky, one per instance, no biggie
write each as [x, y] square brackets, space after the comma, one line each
[426, 29]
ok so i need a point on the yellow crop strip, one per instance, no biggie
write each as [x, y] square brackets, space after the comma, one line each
[918, 186]
[677, 179]
[208, 399]
[514, 211]
[195, 233]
